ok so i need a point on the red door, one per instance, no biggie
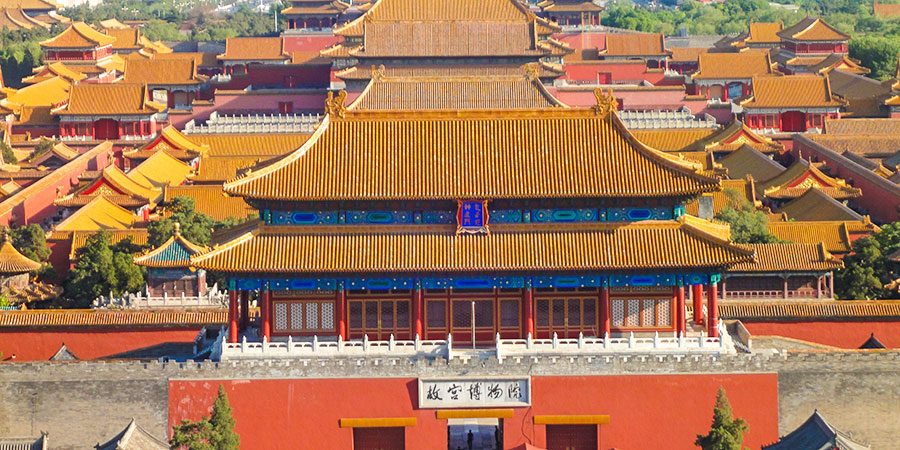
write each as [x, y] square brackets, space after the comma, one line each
[793, 121]
[571, 437]
[388, 438]
[106, 129]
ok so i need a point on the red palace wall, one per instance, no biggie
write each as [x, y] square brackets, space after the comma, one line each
[624, 72]
[39, 344]
[843, 334]
[649, 412]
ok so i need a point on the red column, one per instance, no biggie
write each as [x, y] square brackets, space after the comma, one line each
[419, 309]
[232, 316]
[697, 296]
[245, 309]
[680, 326]
[604, 310]
[528, 300]
[713, 310]
[341, 308]
[265, 306]
[725, 92]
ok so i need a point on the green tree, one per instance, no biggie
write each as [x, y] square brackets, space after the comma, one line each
[195, 227]
[8, 156]
[42, 148]
[748, 225]
[867, 269]
[209, 433]
[727, 432]
[876, 53]
[31, 241]
[102, 268]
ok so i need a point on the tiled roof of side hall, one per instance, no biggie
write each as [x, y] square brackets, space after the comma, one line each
[792, 91]
[789, 258]
[426, 155]
[111, 317]
[600, 246]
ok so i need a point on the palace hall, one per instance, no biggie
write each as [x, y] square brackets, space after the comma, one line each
[478, 224]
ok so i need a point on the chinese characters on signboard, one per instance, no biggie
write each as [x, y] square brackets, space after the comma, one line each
[472, 217]
[474, 392]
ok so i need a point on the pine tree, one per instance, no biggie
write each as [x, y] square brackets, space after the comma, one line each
[727, 432]
[223, 436]
[209, 433]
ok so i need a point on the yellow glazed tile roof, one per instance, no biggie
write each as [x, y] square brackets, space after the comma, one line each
[765, 33]
[13, 262]
[348, 249]
[254, 48]
[792, 91]
[788, 310]
[248, 145]
[127, 185]
[211, 200]
[812, 29]
[50, 92]
[112, 317]
[110, 99]
[361, 72]
[815, 205]
[732, 137]
[734, 66]
[673, 140]
[800, 177]
[635, 44]
[750, 161]
[16, 19]
[862, 126]
[687, 54]
[125, 38]
[160, 170]
[31, 4]
[835, 235]
[788, 258]
[99, 214]
[162, 72]
[200, 59]
[78, 35]
[391, 93]
[455, 39]
[438, 11]
[220, 169]
[61, 70]
[544, 153]
[743, 188]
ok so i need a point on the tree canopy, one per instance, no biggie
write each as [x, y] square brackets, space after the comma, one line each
[31, 241]
[101, 268]
[867, 270]
[215, 432]
[727, 431]
[748, 225]
[194, 226]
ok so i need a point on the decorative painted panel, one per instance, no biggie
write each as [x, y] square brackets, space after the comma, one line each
[635, 214]
[563, 281]
[304, 217]
[379, 217]
[472, 282]
[564, 215]
[506, 216]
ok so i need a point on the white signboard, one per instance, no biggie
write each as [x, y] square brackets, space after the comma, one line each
[482, 392]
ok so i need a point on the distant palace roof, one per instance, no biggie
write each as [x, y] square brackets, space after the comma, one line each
[254, 49]
[16, 19]
[635, 44]
[99, 214]
[211, 200]
[110, 99]
[543, 153]
[763, 33]
[512, 247]
[449, 28]
[163, 72]
[734, 136]
[797, 91]
[802, 176]
[79, 35]
[816, 205]
[812, 29]
[734, 66]
[789, 257]
[419, 93]
[315, 7]
[750, 161]
[835, 235]
[31, 4]
[134, 437]
[361, 72]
